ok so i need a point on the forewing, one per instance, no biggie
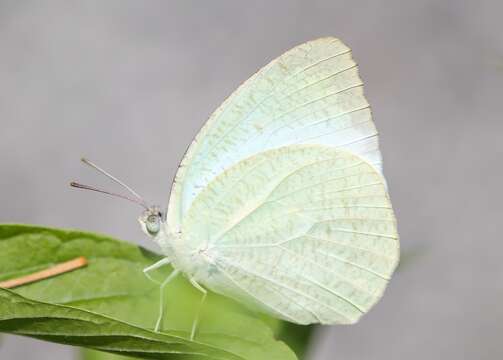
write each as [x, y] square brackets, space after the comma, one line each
[304, 232]
[312, 94]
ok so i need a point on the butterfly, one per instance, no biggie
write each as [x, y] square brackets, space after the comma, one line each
[280, 201]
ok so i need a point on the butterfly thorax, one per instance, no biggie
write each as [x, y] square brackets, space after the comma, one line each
[187, 256]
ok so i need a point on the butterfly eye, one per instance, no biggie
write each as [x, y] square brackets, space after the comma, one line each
[153, 224]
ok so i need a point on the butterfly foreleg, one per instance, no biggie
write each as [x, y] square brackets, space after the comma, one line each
[196, 319]
[171, 276]
[157, 265]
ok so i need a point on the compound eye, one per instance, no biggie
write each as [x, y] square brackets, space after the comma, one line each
[153, 224]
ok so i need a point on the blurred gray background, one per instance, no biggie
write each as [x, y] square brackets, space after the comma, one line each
[129, 83]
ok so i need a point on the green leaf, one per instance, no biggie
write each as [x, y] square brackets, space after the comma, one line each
[111, 306]
[88, 354]
[297, 337]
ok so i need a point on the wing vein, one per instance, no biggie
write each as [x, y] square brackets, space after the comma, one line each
[355, 265]
[360, 232]
[234, 281]
[299, 292]
[328, 192]
[350, 282]
[308, 103]
[265, 201]
[266, 96]
[279, 243]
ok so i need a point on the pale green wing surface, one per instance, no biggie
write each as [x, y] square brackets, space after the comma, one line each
[312, 94]
[304, 232]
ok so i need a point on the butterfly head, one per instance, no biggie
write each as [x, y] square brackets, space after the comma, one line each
[151, 220]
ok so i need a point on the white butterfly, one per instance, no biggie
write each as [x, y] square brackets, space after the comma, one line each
[280, 201]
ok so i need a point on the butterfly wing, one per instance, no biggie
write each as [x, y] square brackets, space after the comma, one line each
[312, 94]
[304, 232]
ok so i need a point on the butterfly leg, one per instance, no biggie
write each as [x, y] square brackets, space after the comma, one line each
[157, 265]
[171, 276]
[196, 319]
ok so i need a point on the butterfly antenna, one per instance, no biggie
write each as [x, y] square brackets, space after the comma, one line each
[87, 187]
[113, 178]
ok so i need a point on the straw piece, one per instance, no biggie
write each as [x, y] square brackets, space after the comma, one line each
[47, 273]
